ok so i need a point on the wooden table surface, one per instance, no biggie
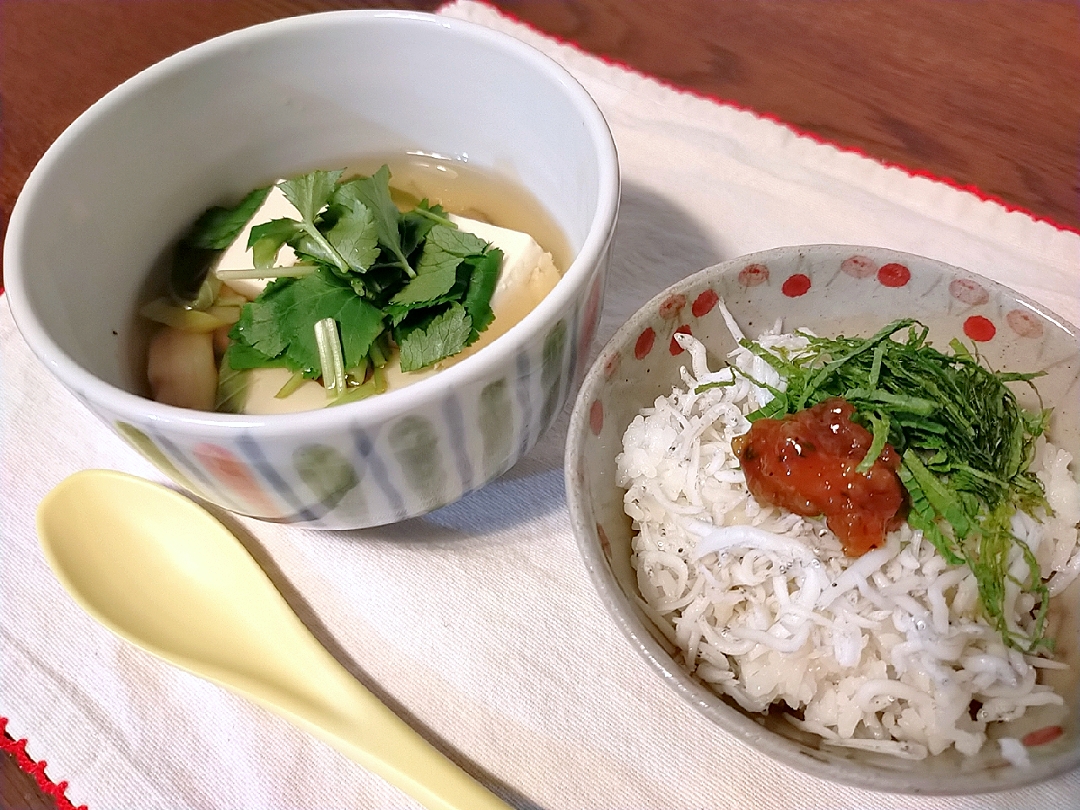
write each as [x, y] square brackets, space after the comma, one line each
[984, 93]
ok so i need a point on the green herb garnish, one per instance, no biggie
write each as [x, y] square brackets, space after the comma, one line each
[380, 275]
[204, 243]
[966, 446]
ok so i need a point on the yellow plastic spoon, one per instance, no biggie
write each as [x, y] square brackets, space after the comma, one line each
[161, 572]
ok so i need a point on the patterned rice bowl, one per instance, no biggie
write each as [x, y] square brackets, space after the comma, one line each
[830, 290]
[203, 127]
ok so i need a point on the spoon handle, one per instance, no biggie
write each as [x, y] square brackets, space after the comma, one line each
[370, 734]
[309, 688]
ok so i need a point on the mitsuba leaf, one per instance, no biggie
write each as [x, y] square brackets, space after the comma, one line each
[439, 274]
[452, 267]
[218, 227]
[324, 295]
[415, 223]
[204, 242]
[426, 288]
[444, 335]
[447, 247]
[374, 192]
[355, 236]
[281, 321]
[240, 356]
[436, 214]
[260, 326]
[265, 240]
[318, 250]
[382, 281]
[310, 193]
[485, 276]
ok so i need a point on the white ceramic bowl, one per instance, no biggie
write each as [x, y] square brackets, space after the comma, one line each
[203, 127]
[830, 290]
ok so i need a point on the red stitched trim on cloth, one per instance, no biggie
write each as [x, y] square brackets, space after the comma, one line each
[17, 749]
[803, 133]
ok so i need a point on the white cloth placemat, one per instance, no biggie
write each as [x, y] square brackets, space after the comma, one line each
[478, 622]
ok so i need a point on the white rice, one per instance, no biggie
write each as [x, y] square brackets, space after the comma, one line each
[885, 652]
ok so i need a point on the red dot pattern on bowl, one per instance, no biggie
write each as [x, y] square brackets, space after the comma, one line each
[979, 329]
[596, 417]
[644, 343]
[1024, 323]
[893, 275]
[704, 303]
[612, 365]
[968, 291]
[674, 347]
[858, 266]
[753, 274]
[1042, 736]
[672, 306]
[796, 285]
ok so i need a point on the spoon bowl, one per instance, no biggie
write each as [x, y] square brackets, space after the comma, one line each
[161, 572]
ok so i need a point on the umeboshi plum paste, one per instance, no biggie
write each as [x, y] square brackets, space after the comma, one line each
[806, 462]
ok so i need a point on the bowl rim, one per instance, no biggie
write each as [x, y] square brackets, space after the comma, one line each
[622, 611]
[375, 409]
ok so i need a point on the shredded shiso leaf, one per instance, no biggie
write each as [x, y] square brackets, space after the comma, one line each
[966, 445]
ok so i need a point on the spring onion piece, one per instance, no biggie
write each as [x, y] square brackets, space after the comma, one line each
[296, 379]
[356, 376]
[232, 388]
[376, 384]
[162, 310]
[226, 314]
